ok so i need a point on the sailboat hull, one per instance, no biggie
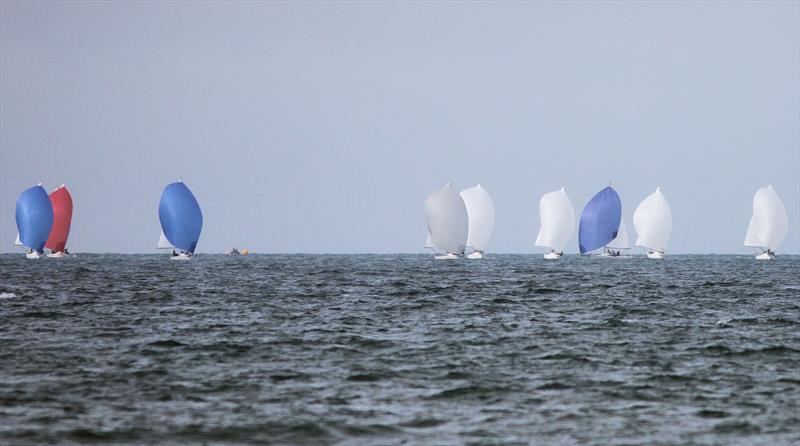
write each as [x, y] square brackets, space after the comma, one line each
[56, 255]
[32, 255]
[765, 256]
[181, 256]
[655, 255]
[552, 256]
[448, 256]
[475, 255]
[606, 255]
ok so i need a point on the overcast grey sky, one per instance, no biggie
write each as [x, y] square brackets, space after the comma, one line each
[322, 126]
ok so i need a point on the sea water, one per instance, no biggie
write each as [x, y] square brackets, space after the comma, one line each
[399, 349]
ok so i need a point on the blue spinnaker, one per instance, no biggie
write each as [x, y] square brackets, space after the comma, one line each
[34, 216]
[180, 215]
[600, 220]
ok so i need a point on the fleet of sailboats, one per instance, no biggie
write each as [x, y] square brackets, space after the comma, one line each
[459, 224]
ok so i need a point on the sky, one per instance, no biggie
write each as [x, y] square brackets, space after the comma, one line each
[321, 127]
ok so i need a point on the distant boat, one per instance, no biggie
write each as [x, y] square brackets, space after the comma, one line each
[181, 221]
[448, 223]
[557, 218]
[768, 225]
[34, 216]
[237, 252]
[62, 220]
[601, 224]
[653, 223]
[480, 219]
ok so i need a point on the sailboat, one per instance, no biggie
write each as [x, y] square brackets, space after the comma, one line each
[448, 223]
[768, 225]
[181, 221]
[653, 223]
[62, 220]
[480, 219]
[34, 216]
[557, 218]
[601, 223]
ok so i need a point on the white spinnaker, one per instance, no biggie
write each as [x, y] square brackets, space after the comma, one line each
[557, 217]
[480, 214]
[751, 238]
[163, 243]
[653, 222]
[769, 223]
[621, 241]
[447, 220]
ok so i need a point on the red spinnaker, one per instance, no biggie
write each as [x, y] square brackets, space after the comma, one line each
[62, 218]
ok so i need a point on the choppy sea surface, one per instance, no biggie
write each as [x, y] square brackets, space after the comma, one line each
[399, 349]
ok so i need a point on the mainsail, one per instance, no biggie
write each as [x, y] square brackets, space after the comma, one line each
[621, 240]
[653, 222]
[557, 218]
[180, 216]
[34, 216]
[447, 220]
[480, 213]
[62, 219]
[769, 223]
[163, 243]
[600, 220]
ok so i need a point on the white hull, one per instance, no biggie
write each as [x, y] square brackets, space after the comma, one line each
[181, 256]
[655, 255]
[475, 255]
[765, 256]
[606, 255]
[56, 255]
[448, 256]
[552, 255]
[32, 255]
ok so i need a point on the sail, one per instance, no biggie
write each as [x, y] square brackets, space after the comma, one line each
[429, 243]
[447, 220]
[557, 218]
[163, 243]
[653, 222]
[621, 240]
[751, 238]
[480, 214]
[62, 219]
[18, 242]
[769, 223]
[181, 217]
[600, 220]
[34, 215]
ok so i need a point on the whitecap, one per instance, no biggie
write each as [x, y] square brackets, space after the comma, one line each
[724, 322]
[7, 295]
